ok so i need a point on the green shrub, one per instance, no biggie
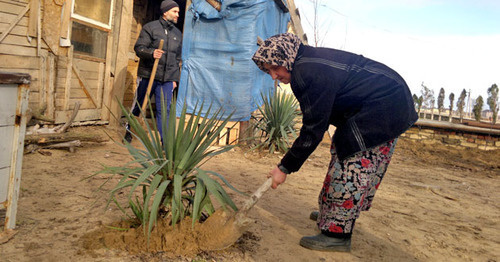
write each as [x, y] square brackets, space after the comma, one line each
[168, 175]
[277, 121]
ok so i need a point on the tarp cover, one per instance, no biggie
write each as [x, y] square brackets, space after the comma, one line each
[217, 68]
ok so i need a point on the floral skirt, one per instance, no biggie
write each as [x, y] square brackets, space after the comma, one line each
[350, 187]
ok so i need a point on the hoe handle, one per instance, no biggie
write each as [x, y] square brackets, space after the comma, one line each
[151, 78]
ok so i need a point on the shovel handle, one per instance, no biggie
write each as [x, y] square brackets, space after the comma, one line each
[257, 195]
[151, 79]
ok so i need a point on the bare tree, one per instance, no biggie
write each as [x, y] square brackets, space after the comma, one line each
[478, 108]
[452, 99]
[461, 104]
[493, 101]
[418, 103]
[427, 98]
[440, 102]
[318, 33]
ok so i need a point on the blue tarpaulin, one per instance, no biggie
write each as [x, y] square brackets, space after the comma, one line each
[217, 68]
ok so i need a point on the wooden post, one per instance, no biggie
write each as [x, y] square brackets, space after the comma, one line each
[15, 90]
[295, 20]
[51, 90]
[67, 82]
[122, 48]
[245, 133]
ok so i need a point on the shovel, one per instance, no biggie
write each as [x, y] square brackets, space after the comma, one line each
[221, 230]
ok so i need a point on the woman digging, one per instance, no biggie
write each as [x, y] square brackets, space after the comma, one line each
[369, 104]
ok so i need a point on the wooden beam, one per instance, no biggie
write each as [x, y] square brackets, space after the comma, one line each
[14, 22]
[295, 19]
[51, 90]
[452, 126]
[67, 82]
[39, 29]
[33, 18]
[17, 157]
[43, 77]
[100, 84]
[65, 19]
[121, 60]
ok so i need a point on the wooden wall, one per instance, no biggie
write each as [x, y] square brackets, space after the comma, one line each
[61, 77]
[18, 53]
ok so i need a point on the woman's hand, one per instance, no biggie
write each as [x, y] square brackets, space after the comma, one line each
[278, 177]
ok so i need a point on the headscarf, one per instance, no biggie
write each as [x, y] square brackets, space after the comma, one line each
[278, 50]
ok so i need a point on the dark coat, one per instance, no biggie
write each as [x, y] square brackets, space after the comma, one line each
[367, 102]
[149, 40]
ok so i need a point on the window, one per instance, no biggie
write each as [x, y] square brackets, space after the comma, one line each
[88, 40]
[97, 12]
[90, 27]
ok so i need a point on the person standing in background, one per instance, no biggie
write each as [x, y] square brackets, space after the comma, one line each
[168, 70]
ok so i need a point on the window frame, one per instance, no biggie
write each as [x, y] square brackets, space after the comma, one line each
[92, 22]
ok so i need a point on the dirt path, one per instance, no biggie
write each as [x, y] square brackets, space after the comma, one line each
[435, 204]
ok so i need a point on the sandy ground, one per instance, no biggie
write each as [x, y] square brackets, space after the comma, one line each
[435, 204]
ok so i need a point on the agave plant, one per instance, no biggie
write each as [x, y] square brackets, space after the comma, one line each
[165, 179]
[276, 122]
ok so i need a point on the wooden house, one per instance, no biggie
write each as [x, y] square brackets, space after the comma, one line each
[79, 51]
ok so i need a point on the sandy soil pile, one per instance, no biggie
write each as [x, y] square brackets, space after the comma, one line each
[436, 203]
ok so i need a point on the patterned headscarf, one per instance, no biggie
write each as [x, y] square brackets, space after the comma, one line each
[278, 50]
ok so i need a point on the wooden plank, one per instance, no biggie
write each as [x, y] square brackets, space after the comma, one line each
[19, 30]
[31, 73]
[121, 60]
[14, 78]
[83, 84]
[65, 19]
[100, 84]
[295, 19]
[17, 50]
[51, 24]
[8, 18]
[89, 76]
[67, 84]
[11, 8]
[234, 134]
[83, 115]
[39, 29]
[78, 92]
[51, 63]
[33, 18]
[16, 2]
[22, 41]
[12, 61]
[17, 157]
[84, 103]
[43, 78]
[13, 23]
[108, 79]
[86, 65]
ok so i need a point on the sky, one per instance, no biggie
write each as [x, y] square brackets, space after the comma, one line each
[450, 44]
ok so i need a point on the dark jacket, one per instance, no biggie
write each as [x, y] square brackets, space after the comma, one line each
[149, 39]
[366, 101]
